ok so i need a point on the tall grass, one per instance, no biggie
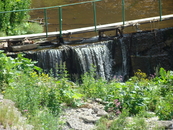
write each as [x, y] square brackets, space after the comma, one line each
[10, 117]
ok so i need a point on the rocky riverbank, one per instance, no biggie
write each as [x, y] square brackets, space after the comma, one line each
[84, 117]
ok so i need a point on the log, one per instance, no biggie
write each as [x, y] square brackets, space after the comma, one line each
[23, 47]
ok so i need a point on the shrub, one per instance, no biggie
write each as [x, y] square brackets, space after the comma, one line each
[9, 21]
[2, 34]
[11, 117]
[34, 28]
[122, 122]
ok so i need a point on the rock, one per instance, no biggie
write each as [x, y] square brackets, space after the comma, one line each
[101, 112]
[152, 119]
[82, 118]
[95, 110]
[99, 100]
[170, 126]
[21, 121]
[166, 124]
[89, 119]
[86, 106]
[1, 97]
[74, 123]
[155, 122]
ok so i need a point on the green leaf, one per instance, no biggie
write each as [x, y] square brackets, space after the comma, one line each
[162, 73]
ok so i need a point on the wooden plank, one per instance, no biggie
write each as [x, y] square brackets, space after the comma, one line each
[23, 47]
[92, 28]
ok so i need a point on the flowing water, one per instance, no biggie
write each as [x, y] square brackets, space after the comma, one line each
[78, 59]
[117, 58]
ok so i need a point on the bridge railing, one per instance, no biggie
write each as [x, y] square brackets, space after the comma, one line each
[59, 7]
[60, 14]
[123, 10]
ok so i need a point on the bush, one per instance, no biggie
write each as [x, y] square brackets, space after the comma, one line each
[34, 28]
[122, 122]
[11, 20]
[37, 95]
[2, 34]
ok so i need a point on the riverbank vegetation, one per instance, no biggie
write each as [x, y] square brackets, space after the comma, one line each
[15, 23]
[40, 97]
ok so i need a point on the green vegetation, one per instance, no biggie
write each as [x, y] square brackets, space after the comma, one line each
[124, 122]
[15, 23]
[10, 117]
[39, 96]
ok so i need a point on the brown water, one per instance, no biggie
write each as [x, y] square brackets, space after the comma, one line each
[108, 11]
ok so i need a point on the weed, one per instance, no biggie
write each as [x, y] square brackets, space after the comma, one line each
[11, 117]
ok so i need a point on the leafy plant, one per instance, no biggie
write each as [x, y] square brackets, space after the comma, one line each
[2, 34]
[9, 21]
[164, 107]
[122, 122]
[34, 28]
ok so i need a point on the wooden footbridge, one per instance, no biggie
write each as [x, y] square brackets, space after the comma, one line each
[95, 28]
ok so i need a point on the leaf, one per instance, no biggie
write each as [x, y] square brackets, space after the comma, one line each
[162, 73]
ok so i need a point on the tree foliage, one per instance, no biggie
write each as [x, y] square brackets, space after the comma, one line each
[10, 21]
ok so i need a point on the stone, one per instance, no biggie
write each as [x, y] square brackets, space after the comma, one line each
[95, 110]
[101, 112]
[74, 123]
[155, 122]
[98, 100]
[85, 118]
[1, 97]
[89, 119]
[166, 124]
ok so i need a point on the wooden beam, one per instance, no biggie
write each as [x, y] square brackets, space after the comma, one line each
[105, 27]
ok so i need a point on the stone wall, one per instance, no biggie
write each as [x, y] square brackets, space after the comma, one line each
[147, 50]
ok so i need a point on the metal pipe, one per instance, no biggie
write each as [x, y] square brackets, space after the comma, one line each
[123, 12]
[95, 17]
[60, 22]
[45, 19]
[160, 9]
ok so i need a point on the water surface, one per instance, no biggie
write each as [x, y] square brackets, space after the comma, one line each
[108, 11]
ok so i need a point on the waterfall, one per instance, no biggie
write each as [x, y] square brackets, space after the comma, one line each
[97, 55]
[109, 58]
[122, 59]
[125, 65]
[49, 60]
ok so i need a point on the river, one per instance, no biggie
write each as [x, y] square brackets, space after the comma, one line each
[108, 11]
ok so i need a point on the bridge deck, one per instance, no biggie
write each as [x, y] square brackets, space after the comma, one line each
[111, 26]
